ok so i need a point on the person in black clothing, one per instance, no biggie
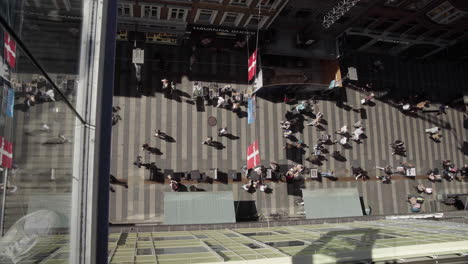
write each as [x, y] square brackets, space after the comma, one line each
[139, 161]
[442, 109]
[359, 173]
[115, 181]
[464, 171]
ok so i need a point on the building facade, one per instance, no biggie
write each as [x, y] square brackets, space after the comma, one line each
[396, 27]
[408, 28]
[169, 22]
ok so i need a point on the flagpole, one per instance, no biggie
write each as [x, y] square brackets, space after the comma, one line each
[2, 215]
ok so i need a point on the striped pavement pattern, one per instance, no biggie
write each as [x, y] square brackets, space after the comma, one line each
[35, 159]
[143, 202]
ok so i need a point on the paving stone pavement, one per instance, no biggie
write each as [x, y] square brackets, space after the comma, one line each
[143, 202]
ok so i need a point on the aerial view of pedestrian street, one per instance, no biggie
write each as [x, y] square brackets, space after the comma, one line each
[242, 131]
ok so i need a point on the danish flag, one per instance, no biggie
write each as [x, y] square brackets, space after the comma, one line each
[253, 155]
[10, 50]
[252, 65]
[6, 151]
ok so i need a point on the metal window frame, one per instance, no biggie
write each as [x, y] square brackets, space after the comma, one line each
[123, 5]
[91, 166]
[142, 11]
[186, 11]
[214, 14]
[274, 5]
[247, 3]
[238, 19]
[262, 21]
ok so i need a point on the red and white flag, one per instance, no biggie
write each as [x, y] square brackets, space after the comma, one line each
[252, 65]
[10, 50]
[253, 155]
[6, 150]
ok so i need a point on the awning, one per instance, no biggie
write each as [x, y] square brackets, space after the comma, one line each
[328, 203]
[198, 208]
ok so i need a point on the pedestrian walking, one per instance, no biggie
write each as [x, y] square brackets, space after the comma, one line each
[432, 130]
[116, 118]
[442, 109]
[139, 161]
[287, 133]
[222, 131]
[208, 141]
[10, 188]
[358, 132]
[434, 175]
[146, 147]
[387, 169]
[114, 180]
[175, 186]
[44, 128]
[299, 144]
[274, 166]
[398, 147]
[342, 131]
[165, 83]
[50, 95]
[221, 101]
[325, 139]
[358, 124]
[359, 173]
[29, 101]
[236, 107]
[434, 133]
[285, 124]
[250, 187]
[60, 139]
[343, 141]
[159, 134]
[317, 120]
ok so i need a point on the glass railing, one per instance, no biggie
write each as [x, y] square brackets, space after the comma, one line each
[37, 129]
[42, 131]
[51, 31]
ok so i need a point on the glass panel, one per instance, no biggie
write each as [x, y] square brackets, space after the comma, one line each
[253, 245]
[39, 128]
[259, 234]
[144, 251]
[216, 247]
[205, 15]
[230, 18]
[285, 244]
[180, 250]
[173, 238]
[40, 22]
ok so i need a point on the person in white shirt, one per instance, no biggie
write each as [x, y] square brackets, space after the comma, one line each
[222, 131]
[343, 130]
[220, 101]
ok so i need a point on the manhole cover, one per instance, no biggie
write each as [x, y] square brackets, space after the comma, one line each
[212, 121]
